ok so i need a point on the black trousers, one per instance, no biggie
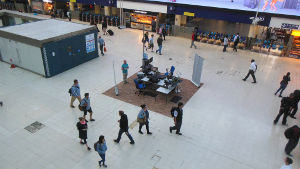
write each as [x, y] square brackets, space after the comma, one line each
[234, 46]
[251, 72]
[177, 126]
[147, 126]
[294, 109]
[285, 114]
[292, 143]
[224, 49]
[101, 48]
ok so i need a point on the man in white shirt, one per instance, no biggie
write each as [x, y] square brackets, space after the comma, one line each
[287, 163]
[252, 70]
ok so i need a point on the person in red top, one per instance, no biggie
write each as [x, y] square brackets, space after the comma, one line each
[193, 40]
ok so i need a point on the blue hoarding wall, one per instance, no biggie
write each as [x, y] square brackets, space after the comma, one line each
[59, 56]
[213, 13]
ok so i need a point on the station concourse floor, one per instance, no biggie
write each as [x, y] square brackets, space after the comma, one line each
[227, 124]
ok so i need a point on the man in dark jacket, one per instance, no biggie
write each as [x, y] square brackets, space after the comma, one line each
[283, 84]
[292, 134]
[177, 115]
[295, 103]
[159, 44]
[123, 127]
[286, 103]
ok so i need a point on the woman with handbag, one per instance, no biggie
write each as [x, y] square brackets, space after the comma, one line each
[82, 129]
[143, 119]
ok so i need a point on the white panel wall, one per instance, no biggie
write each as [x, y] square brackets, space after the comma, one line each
[22, 55]
[277, 22]
[143, 6]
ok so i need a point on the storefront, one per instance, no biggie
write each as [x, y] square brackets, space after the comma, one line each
[142, 19]
[295, 50]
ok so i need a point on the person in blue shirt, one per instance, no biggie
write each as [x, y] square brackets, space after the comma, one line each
[75, 93]
[102, 44]
[101, 148]
[124, 69]
[86, 107]
[167, 72]
[143, 119]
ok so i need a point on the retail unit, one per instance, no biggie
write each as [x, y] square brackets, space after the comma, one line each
[48, 47]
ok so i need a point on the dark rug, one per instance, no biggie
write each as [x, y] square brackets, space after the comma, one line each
[156, 104]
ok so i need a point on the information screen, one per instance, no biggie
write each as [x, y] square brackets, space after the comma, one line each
[286, 7]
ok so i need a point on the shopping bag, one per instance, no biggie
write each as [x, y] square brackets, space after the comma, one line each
[105, 49]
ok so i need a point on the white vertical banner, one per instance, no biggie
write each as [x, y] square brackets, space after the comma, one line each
[197, 71]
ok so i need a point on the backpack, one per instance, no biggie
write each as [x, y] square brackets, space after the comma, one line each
[70, 91]
[95, 145]
[172, 111]
[289, 133]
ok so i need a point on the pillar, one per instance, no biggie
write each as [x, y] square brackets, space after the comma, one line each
[107, 10]
[114, 11]
[79, 5]
[72, 6]
[97, 9]
[180, 20]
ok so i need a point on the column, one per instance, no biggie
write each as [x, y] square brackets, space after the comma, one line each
[97, 9]
[180, 20]
[107, 10]
[72, 6]
[115, 11]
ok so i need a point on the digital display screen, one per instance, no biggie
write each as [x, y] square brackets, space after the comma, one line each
[285, 7]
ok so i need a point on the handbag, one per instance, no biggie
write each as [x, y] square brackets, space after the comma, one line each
[143, 120]
[80, 107]
[105, 49]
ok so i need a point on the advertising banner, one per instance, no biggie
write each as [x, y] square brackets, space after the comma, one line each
[90, 43]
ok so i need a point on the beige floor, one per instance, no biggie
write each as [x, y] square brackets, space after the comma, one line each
[227, 123]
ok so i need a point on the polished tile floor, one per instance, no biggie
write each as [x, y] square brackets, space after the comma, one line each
[227, 124]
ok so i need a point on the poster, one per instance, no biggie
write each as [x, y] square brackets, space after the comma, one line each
[285, 7]
[90, 43]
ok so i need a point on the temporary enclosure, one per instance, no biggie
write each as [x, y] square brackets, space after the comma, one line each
[48, 47]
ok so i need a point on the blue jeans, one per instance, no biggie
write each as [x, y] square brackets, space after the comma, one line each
[281, 89]
[121, 131]
[159, 49]
[103, 158]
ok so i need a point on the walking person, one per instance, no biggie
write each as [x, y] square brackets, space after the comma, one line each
[252, 70]
[82, 129]
[75, 93]
[124, 69]
[193, 40]
[286, 103]
[295, 104]
[159, 44]
[151, 41]
[1, 103]
[69, 15]
[287, 163]
[283, 84]
[101, 148]
[102, 45]
[236, 41]
[123, 127]
[164, 32]
[177, 115]
[225, 43]
[104, 26]
[292, 134]
[143, 119]
[85, 106]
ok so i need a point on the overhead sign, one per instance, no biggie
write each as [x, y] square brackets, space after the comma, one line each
[188, 14]
[289, 26]
[285, 7]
